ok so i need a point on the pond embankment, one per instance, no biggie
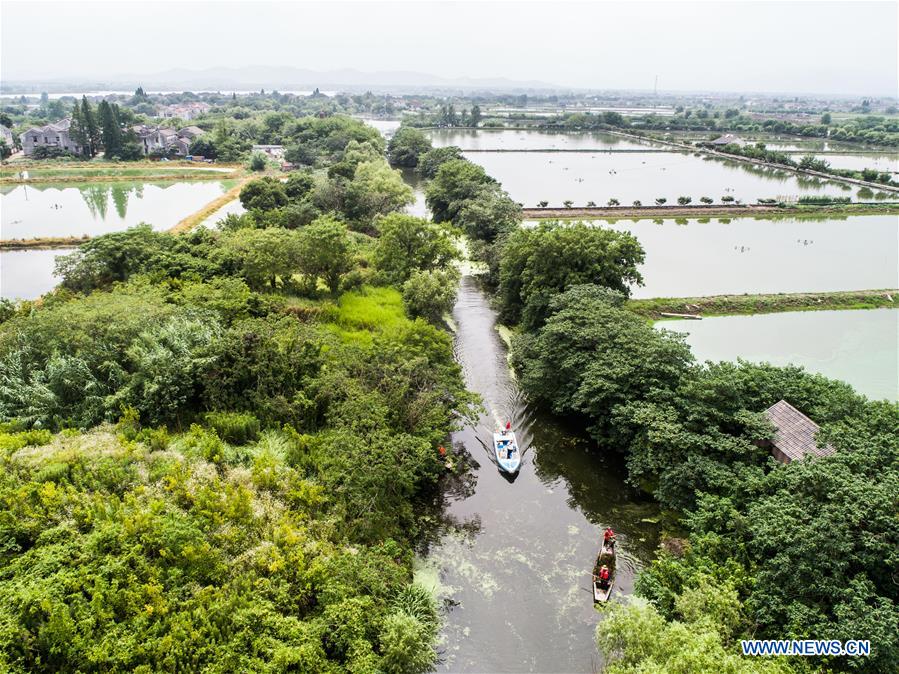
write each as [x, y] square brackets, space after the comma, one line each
[705, 211]
[732, 305]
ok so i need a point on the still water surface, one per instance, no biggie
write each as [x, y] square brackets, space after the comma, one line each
[720, 256]
[502, 139]
[514, 562]
[533, 177]
[64, 209]
[858, 347]
[28, 274]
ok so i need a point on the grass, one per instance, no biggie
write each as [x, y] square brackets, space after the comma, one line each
[43, 242]
[731, 305]
[90, 171]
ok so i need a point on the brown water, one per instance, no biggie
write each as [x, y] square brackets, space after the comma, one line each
[513, 566]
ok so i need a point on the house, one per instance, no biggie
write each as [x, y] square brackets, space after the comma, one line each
[276, 151]
[726, 139]
[50, 135]
[185, 110]
[6, 136]
[161, 140]
[190, 132]
[794, 434]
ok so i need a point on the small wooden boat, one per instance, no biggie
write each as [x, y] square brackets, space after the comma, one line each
[602, 591]
[508, 455]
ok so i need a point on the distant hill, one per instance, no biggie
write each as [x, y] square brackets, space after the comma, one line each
[286, 78]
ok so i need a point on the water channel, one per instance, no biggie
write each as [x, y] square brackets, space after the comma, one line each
[514, 567]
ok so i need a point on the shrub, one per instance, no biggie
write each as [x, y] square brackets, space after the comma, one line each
[237, 428]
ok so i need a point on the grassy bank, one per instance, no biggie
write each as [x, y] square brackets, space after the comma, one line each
[43, 242]
[612, 213]
[199, 216]
[732, 305]
[107, 171]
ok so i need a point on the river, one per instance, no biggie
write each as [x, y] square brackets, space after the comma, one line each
[513, 567]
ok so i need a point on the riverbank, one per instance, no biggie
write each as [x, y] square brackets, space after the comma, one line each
[732, 305]
[704, 211]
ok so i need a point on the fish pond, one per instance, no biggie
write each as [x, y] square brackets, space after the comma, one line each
[68, 209]
[720, 256]
[857, 347]
[532, 177]
[28, 274]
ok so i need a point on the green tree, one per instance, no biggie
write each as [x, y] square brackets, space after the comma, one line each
[488, 213]
[432, 160]
[455, 182]
[826, 118]
[376, 189]
[540, 262]
[325, 252]
[406, 146]
[590, 357]
[264, 255]
[431, 294]
[110, 129]
[299, 185]
[263, 194]
[406, 243]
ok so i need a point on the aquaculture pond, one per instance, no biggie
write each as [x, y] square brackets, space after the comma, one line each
[513, 558]
[885, 163]
[532, 177]
[717, 256]
[67, 209]
[28, 274]
[857, 347]
[510, 139]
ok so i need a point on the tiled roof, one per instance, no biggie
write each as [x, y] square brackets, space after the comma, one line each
[794, 433]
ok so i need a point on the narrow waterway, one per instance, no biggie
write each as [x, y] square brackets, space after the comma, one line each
[513, 561]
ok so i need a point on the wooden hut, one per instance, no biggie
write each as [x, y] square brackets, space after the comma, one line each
[794, 434]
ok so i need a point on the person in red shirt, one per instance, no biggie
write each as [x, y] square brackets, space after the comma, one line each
[609, 537]
[604, 576]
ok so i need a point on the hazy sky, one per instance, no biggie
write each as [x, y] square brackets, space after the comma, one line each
[829, 47]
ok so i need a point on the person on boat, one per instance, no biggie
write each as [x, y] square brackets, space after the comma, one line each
[604, 576]
[608, 537]
[508, 427]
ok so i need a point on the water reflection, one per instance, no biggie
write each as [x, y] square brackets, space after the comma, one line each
[513, 560]
[66, 209]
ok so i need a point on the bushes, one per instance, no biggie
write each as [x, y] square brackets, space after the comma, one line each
[540, 262]
[824, 201]
[430, 294]
[234, 427]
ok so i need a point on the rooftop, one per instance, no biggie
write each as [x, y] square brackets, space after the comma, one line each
[794, 433]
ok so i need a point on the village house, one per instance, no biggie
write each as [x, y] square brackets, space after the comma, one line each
[794, 434]
[51, 135]
[726, 139]
[6, 135]
[185, 110]
[160, 140]
[276, 151]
